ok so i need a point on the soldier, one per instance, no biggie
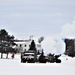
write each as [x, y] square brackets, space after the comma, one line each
[12, 56]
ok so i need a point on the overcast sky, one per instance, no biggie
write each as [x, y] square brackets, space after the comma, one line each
[23, 18]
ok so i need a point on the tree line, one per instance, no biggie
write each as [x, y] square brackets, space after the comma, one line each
[6, 43]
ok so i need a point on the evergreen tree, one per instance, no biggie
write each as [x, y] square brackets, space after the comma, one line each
[6, 42]
[32, 46]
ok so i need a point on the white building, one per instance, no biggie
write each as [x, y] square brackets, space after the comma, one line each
[24, 45]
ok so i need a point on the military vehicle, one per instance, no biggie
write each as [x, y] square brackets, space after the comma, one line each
[52, 58]
[29, 56]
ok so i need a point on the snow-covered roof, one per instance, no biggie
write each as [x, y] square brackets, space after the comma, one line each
[21, 42]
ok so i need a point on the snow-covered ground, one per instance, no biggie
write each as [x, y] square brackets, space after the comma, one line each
[15, 67]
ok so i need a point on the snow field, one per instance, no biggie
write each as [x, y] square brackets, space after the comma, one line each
[15, 67]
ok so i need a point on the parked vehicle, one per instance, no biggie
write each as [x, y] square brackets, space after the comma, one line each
[29, 56]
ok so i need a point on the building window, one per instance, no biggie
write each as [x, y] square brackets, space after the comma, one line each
[25, 50]
[20, 45]
[16, 44]
[25, 45]
[38, 45]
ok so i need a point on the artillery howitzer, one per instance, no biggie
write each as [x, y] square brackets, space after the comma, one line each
[53, 58]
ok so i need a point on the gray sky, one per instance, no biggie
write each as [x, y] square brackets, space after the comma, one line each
[23, 18]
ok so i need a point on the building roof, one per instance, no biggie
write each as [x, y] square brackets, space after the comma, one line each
[22, 40]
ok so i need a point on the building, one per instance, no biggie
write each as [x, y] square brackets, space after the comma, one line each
[24, 45]
[70, 47]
